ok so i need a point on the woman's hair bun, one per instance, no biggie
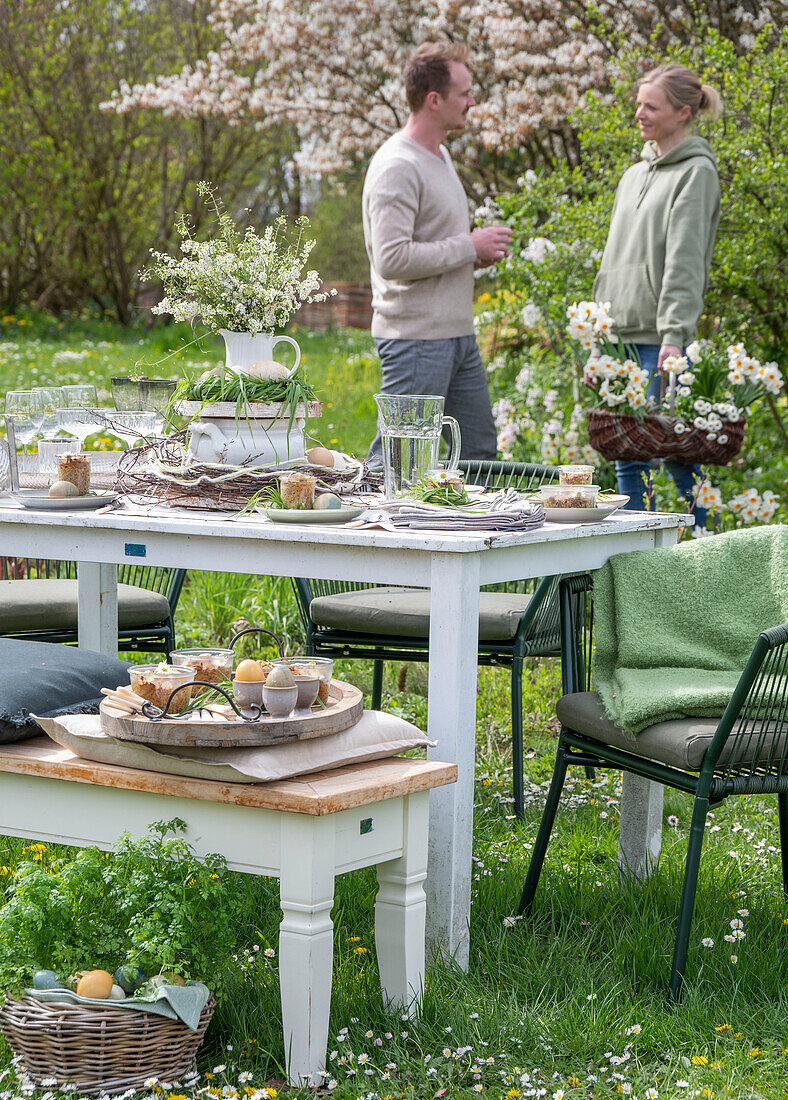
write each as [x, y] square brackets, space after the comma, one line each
[710, 101]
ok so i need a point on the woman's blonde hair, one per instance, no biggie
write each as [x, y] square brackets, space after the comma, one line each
[684, 89]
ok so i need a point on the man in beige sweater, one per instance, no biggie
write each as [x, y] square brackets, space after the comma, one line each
[422, 252]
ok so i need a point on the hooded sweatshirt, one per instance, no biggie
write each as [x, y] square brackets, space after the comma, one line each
[655, 267]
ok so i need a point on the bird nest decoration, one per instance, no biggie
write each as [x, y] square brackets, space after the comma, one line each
[163, 472]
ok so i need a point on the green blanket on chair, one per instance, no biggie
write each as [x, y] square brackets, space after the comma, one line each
[674, 627]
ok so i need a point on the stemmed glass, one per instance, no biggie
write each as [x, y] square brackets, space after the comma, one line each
[26, 409]
[78, 414]
[81, 396]
[52, 399]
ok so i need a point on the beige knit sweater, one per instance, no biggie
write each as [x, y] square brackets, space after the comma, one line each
[416, 227]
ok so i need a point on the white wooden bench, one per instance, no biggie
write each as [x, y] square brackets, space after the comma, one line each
[302, 831]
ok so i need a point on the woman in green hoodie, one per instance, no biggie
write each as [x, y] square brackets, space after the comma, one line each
[655, 267]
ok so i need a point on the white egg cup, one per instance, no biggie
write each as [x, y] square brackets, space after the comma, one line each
[279, 701]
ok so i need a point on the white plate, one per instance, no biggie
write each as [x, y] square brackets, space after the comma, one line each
[586, 515]
[37, 500]
[310, 515]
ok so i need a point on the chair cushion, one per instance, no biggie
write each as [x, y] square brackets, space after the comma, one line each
[52, 605]
[681, 743]
[49, 679]
[405, 612]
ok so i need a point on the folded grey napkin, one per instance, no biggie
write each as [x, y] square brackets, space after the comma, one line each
[176, 1002]
[506, 511]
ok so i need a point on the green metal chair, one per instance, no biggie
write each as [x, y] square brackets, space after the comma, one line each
[523, 623]
[743, 752]
[38, 602]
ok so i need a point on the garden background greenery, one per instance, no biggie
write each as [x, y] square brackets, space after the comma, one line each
[573, 1002]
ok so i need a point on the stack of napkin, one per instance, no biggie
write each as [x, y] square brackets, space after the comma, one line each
[506, 511]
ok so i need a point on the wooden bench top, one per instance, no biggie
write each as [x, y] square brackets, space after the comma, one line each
[320, 793]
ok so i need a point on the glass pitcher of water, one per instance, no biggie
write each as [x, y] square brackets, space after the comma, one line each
[410, 429]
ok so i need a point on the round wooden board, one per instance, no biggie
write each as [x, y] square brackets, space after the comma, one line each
[344, 710]
[253, 410]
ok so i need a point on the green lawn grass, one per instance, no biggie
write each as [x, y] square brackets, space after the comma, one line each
[572, 1002]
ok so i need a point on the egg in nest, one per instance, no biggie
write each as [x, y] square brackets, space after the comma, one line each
[320, 456]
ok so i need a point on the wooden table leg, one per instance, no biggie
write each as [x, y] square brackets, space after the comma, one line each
[454, 641]
[97, 609]
[306, 943]
[400, 910]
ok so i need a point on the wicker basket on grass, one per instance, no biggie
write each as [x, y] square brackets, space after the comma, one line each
[99, 1048]
[616, 435]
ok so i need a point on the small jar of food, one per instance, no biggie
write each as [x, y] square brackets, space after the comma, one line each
[213, 665]
[298, 490]
[569, 496]
[156, 682]
[575, 475]
[76, 469]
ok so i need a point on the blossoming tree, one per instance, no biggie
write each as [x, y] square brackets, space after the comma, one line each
[334, 69]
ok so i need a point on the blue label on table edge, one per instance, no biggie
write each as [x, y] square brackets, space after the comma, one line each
[135, 550]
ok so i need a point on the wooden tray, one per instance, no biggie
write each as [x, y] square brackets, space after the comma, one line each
[252, 410]
[344, 709]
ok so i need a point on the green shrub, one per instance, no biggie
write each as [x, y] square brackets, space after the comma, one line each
[148, 902]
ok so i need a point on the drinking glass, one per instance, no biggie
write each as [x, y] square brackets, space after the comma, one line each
[125, 393]
[50, 450]
[131, 426]
[81, 396]
[77, 415]
[79, 421]
[26, 409]
[52, 399]
[156, 394]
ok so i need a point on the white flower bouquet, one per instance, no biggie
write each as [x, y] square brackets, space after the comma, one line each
[709, 391]
[702, 411]
[616, 377]
[238, 281]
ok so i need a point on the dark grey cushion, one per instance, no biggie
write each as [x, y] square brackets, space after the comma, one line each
[682, 743]
[405, 612]
[52, 605]
[48, 679]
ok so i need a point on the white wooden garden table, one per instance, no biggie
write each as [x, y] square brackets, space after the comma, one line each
[452, 566]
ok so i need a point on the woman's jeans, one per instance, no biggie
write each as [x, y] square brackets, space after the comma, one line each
[631, 474]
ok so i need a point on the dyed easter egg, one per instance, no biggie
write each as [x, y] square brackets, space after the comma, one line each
[320, 456]
[116, 993]
[280, 676]
[59, 489]
[130, 977]
[47, 979]
[249, 672]
[327, 500]
[96, 984]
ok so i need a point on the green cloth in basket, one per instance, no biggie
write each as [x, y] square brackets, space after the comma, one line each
[176, 1002]
[674, 627]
